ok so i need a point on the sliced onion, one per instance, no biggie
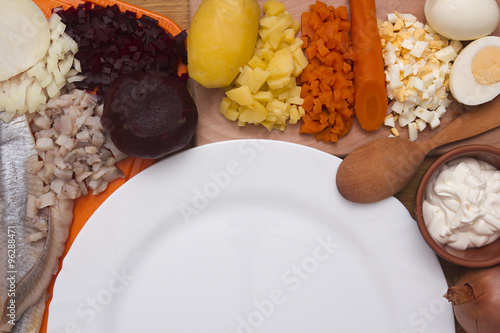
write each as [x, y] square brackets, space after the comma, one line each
[24, 36]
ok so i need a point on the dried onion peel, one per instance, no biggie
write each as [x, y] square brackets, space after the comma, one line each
[476, 300]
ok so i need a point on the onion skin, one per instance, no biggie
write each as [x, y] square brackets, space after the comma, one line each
[476, 300]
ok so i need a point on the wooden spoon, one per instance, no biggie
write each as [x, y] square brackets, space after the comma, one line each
[383, 167]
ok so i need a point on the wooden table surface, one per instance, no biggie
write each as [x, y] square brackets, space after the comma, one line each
[178, 11]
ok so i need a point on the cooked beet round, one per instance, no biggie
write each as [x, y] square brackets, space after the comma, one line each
[149, 114]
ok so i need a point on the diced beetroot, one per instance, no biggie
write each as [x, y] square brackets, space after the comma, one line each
[112, 42]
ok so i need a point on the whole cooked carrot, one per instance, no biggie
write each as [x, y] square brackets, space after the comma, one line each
[370, 96]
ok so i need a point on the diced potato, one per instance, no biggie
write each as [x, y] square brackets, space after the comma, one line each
[229, 109]
[281, 65]
[294, 114]
[297, 44]
[266, 91]
[277, 107]
[289, 36]
[224, 105]
[257, 61]
[253, 115]
[300, 58]
[278, 83]
[257, 79]
[241, 95]
[273, 8]
[263, 96]
[267, 55]
[245, 74]
[232, 114]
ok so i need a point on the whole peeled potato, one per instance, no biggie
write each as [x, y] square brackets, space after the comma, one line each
[221, 39]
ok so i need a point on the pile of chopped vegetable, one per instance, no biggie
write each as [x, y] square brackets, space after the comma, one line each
[327, 81]
[55, 73]
[112, 43]
[266, 91]
[417, 64]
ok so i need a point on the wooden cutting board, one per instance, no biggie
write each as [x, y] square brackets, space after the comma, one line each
[214, 127]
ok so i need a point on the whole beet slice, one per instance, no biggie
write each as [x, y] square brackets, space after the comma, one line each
[149, 114]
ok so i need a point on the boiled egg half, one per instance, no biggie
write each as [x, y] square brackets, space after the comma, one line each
[462, 19]
[475, 74]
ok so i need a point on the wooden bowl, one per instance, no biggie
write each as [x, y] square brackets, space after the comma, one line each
[484, 256]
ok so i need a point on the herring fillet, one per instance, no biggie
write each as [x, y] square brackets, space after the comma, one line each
[35, 262]
[16, 145]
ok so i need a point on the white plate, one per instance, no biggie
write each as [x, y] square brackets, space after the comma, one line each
[248, 236]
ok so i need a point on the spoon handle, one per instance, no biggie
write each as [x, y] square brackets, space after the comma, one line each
[471, 123]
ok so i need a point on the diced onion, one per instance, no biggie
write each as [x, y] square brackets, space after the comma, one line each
[24, 36]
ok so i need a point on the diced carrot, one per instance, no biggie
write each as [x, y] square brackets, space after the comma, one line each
[304, 89]
[343, 14]
[336, 11]
[304, 22]
[305, 42]
[308, 103]
[347, 113]
[337, 95]
[324, 135]
[308, 74]
[314, 84]
[311, 50]
[323, 118]
[318, 107]
[310, 127]
[346, 68]
[315, 20]
[325, 97]
[324, 86]
[345, 26]
[327, 87]
[322, 9]
[331, 16]
[322, 50]
[315, 92]
[344, 93]
[307, 117]
[330, 29]
[315, 61]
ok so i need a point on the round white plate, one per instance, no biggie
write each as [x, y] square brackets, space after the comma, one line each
[248, 236]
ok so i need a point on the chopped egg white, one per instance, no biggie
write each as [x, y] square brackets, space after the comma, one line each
[417, 63]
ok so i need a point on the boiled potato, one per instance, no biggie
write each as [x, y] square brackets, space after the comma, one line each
[266, 91]
[221, 39]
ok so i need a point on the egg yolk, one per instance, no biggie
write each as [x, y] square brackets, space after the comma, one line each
[486, 65]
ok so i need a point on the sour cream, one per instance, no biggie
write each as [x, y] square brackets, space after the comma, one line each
[461, 205]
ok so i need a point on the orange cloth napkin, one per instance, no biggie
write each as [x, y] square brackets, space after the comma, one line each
[85, 207]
